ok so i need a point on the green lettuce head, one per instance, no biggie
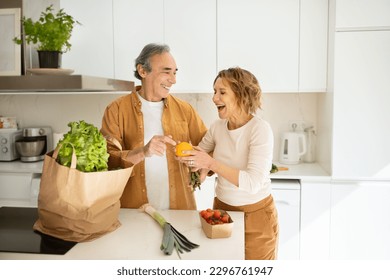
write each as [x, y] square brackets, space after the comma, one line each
[90, 147]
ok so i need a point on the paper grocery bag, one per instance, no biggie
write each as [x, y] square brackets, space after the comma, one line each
[78, 206]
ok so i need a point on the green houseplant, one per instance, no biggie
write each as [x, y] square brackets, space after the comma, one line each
[52, 33]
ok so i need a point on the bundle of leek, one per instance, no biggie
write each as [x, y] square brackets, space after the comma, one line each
[172, 239]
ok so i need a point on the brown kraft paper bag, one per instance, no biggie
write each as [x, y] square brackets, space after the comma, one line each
[78, 206]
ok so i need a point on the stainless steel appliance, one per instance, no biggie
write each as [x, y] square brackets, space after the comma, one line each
[8, 137]
[36, 142]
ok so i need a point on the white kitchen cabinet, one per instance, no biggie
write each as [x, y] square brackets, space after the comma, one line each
[361, 105]
[176, 23]
[262, 37]
[92, 51]
[283, 43]
[135, 24]
[112, 35]
[19, 189]
[360, 220]
[362, 14]
[286, 194]
[313, 45]
[315, 220]
[190, 31]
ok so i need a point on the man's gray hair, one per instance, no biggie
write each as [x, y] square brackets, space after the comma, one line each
[144, 57]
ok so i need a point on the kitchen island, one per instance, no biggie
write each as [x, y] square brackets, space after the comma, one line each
[139, 238]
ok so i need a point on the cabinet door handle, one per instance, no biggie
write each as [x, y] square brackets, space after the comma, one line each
[284, 202]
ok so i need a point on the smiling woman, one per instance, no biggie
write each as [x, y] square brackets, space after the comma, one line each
[10, 53]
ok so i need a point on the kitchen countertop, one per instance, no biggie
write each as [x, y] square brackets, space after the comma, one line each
[309, 171]
[140, 236]
[18, 166]
[302, 171]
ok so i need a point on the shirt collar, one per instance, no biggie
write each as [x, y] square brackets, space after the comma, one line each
[138, 88]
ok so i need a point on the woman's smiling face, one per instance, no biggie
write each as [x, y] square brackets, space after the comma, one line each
[225, 100]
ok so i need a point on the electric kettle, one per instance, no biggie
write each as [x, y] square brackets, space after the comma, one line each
[292, 147]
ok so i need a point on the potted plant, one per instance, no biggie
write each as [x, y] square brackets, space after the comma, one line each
[52, 33]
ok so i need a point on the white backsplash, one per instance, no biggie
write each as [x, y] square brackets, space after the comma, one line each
[58, 110]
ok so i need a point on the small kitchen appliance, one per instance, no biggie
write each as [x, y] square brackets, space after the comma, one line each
[310, 135]
[292, 147]
[8, 137]
[36, 142]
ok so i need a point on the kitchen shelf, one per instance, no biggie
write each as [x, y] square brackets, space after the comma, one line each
[62, 84]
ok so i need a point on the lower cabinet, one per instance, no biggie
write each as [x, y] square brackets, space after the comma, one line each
[360, 220]
[315, 219]
[19, 189]
[286, 194]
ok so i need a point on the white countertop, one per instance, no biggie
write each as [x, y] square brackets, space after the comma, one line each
[296, 171]
[301, 171]
[140, 236]
[18, 166]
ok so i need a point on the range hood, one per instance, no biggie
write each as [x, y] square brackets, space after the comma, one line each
[62, 83]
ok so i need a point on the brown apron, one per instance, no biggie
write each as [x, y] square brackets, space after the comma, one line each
[261, 228]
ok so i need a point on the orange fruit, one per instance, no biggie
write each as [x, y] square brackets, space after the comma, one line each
[183, 146]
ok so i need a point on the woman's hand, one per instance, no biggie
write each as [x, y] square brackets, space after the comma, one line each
[197, 159]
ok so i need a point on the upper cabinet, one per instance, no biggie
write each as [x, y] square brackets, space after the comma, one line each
[283, 42]
[313, 45]
[362, 14]
[190, 31]
[92, 51]
[262, 37]
[135, 25]
[188, 27]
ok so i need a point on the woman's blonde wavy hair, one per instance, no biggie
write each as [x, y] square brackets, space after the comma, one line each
[246, 87]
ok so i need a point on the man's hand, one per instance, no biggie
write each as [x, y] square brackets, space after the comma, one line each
[157, 145]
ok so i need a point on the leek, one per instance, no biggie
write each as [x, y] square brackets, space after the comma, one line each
[172, 238]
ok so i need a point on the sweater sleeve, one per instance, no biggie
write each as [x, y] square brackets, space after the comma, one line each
[208, 143]
[260, 157]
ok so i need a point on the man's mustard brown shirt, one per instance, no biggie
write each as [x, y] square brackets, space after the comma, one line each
[123, 120]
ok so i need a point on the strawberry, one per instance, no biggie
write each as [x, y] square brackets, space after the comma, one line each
[225, 218]
[217, 214]
[207, 215]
